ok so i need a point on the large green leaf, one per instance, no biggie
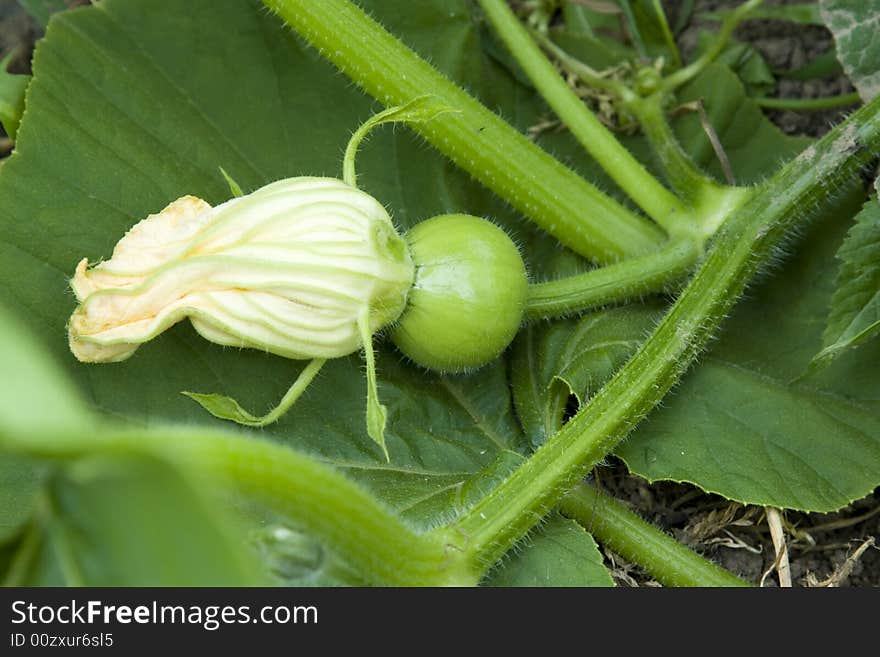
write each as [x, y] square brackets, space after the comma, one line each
[855, 306]
[559, 553]
[854, 24]
[746, 424]
[135, 103]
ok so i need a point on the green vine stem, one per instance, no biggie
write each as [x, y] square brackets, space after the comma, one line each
[809, 104]
[624, 532]
[682, 173]
[477, 140]
[623, 281]
[615, 526]
[710, 201]
[746, 243]
[660, 13]
[629, 174]
[323, 502]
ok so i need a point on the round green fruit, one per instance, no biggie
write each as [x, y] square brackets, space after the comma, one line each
[467, 299]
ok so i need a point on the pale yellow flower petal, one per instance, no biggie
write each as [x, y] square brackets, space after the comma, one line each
[287, 269]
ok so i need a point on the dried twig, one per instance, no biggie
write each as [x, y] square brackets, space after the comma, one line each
[720, 153]
[780, 563]
[845, 570]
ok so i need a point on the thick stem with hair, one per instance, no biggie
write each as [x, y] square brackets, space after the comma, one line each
[624, 532]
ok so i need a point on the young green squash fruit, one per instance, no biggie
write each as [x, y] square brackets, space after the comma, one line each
[467, 299]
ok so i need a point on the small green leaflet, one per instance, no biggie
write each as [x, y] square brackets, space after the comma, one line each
[823, 66]
[234, 187]
[649, 30]
[749, 65]
[855, 25]
[227, 408]
[855, 307]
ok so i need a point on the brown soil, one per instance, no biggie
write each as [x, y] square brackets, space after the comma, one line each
[786, 47]
[18, 31]
[737, 537]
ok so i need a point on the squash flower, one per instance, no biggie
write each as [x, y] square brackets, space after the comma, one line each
[289, 269]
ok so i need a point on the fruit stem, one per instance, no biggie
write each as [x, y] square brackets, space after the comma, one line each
[633, 278]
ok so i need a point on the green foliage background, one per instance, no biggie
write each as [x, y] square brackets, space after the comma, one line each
[135, 103]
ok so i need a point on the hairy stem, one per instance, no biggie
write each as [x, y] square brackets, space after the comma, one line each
[629, 174]
[745, 243]
[624, 532]
[623, 281]
[682, 173]
[476, 139]
[326, 504]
